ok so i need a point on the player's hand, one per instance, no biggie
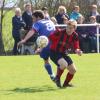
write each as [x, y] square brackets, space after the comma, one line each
[79, 52]
[21, 42]
[38, 50]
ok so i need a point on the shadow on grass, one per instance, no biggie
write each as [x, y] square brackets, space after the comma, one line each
[44, 88]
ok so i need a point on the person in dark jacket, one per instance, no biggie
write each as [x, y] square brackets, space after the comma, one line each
[27, 17]
[61, 15]
[17, 24]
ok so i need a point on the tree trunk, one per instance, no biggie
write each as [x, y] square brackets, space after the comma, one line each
[2, 51]
[21, 4]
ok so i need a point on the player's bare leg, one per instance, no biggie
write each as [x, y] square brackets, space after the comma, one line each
[69, 76]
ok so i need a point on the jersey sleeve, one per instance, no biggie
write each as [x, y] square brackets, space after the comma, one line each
[76, 41]
[35, 27]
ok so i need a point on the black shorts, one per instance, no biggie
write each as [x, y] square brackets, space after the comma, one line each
[55, 56]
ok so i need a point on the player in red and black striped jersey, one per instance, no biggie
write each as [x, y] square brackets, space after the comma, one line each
[61, 41]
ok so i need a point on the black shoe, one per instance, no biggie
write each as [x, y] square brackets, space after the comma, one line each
[57, 81]
[52, 78]
[68, 85]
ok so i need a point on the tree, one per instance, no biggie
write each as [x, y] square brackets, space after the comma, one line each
[3, 14]
[1, 40]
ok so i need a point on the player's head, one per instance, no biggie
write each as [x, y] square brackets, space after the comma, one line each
[71, 26]
[37, 15]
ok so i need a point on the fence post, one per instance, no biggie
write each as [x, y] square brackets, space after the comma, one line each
[98, 39]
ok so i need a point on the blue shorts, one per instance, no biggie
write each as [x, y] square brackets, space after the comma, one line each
[45, 53]
[55, 56]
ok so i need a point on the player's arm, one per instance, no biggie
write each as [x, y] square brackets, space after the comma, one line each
[29, 35]
[76, 47]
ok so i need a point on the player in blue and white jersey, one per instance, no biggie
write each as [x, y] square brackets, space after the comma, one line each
[45, 27]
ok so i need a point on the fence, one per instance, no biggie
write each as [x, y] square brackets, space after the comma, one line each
[82, 29]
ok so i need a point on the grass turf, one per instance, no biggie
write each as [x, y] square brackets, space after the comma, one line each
[24, 78]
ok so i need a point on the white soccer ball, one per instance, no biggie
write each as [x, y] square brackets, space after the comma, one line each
[42, 41]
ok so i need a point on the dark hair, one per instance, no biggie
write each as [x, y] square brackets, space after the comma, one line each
[44, 8]
[38, 13]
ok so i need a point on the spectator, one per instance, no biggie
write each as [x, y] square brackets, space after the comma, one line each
[94, 11]
[27, 17]
[92, 34]
[75, 13]
[61, 14]
[17, 24]
[46, 14]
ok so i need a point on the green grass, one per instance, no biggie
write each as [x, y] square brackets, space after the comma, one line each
[24, 78]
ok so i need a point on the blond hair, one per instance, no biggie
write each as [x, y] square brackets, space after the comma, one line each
[62, 8]
[72, 23]
[17, 10]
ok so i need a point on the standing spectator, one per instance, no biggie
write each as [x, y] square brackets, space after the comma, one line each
[92, 35]
[27, 17]
[61, 42]
[62, 13]
[94, 11]
[17, 24]
[43, 27]
[46, 14]
[75, 13]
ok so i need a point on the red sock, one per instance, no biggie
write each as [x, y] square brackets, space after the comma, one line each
[59, 72]
[69, 77]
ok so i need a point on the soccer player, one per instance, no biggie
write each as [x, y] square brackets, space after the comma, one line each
[61, 41]
[43, 27]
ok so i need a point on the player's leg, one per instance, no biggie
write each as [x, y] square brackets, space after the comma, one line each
[48, 68]
[45, 55]
[61, 63]
[71, 71]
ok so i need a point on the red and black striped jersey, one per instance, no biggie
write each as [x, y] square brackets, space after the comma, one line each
[61, 41]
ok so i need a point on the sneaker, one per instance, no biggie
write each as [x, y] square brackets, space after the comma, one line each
[52, 78]
[68, 85]
[57, 81]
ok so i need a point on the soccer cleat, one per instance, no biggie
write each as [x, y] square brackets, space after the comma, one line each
[68, 85]
[57, 81]
[52, 78]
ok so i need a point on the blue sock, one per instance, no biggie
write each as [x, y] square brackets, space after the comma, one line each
[49, 69]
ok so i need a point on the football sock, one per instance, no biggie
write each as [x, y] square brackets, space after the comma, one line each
[59, 72]
[49, 69]
[68, 78]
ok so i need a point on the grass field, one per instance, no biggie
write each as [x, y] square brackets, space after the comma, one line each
[24, 78]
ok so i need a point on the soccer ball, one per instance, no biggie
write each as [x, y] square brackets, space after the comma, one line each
[42, 41]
